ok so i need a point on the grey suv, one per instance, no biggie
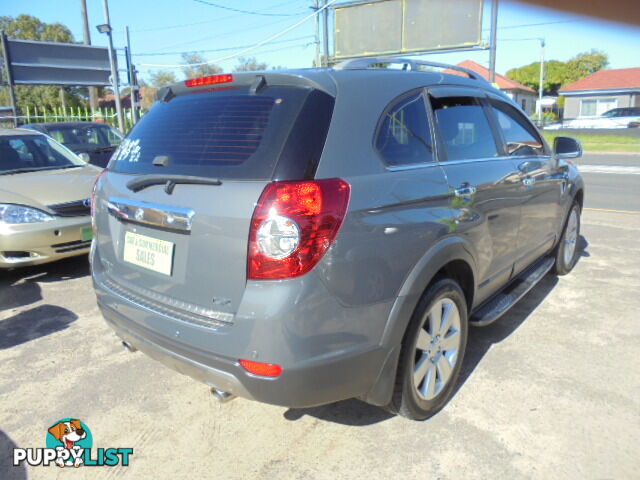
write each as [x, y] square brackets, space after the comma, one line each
[309, 236]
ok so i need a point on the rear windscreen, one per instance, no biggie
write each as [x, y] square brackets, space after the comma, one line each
[224, 133]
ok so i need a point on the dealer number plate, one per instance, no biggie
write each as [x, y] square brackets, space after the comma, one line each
[148, 252]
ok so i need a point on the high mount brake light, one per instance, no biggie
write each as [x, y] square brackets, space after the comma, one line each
[293, 226]
[209, 80]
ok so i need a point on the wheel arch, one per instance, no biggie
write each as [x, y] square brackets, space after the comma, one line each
[452, 258]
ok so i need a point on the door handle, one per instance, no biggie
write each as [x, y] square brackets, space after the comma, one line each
[465, 191]
[528, 181]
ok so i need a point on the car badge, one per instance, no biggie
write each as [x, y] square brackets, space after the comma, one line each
[139, 215]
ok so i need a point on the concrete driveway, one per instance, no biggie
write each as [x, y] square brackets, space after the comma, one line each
[552, 390]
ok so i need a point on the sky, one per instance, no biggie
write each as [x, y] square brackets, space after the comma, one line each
[160, 29]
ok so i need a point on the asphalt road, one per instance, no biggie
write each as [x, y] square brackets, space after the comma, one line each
[612, 181]
[552, 390]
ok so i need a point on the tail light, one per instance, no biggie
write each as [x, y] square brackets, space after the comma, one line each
[93, 200]
[293, 225]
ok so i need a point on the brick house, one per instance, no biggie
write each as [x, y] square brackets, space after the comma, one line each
[602, 91]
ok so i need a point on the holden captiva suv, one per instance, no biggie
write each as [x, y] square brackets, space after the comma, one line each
[308, 236]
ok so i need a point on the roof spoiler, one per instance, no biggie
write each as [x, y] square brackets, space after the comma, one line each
[256, 81]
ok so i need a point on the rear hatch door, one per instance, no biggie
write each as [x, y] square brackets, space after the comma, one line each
[173, 211]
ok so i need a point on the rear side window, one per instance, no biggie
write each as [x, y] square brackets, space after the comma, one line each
[224, 133]
[519, 135]
[404, 137]
[464, 128]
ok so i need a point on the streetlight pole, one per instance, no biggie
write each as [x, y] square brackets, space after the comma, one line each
[114, 69]
[541, 87]
[93, 93]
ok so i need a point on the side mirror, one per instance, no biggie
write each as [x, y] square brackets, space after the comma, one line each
[567, 147]
[84, 157]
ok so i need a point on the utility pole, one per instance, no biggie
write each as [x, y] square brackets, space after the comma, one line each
[114, 69]
[93, 92]
[317, 19]
[492, 51]
[325, 16]
[133, 81]
[541, 87]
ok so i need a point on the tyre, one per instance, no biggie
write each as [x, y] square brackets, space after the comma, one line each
[567, 250]
[432, 352]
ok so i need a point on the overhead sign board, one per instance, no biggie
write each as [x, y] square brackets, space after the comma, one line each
[49, 63]
[389, 27]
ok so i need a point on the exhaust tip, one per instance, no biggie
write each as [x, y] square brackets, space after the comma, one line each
[129, 347]
[221, 396]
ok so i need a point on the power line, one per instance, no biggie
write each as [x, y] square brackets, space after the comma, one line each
[204, 22]
[531, 25]
[248, 49]
[152, 54]
[227, 33]
[248, 12]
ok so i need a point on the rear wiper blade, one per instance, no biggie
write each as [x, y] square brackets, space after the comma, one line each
[169, 182]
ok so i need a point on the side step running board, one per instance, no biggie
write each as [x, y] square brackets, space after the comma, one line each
[503, 301]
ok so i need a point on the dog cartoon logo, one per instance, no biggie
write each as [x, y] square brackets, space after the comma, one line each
[70, 437]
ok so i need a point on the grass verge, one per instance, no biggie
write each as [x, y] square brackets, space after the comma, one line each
[600, 143]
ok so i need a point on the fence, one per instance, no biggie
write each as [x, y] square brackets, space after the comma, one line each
[79, 114]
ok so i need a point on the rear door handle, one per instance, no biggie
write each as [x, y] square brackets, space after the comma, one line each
[465, 191]
[528, 181]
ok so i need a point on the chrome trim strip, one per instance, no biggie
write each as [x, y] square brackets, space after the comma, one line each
[444, 163]
[169, 307]
[156, 215]
[413, 166]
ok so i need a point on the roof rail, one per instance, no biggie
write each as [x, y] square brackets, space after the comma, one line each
[407, 63]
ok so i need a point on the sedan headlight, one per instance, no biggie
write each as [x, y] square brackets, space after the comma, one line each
[13, 214]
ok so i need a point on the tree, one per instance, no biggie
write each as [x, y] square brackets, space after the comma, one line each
[249, 64]
[529, 75]
[558, 74]
[27, 27]
[585, 64]
[162, 78]
[197, 70]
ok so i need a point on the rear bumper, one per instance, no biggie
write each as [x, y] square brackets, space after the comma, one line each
[315, 383]
[43, 242]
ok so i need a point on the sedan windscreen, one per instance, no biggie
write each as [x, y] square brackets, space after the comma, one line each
[21, 153]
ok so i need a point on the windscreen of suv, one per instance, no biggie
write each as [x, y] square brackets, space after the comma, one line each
[222, 133]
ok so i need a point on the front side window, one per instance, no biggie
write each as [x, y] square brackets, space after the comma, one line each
[519, 135]
[404, 137]
[464, 128]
